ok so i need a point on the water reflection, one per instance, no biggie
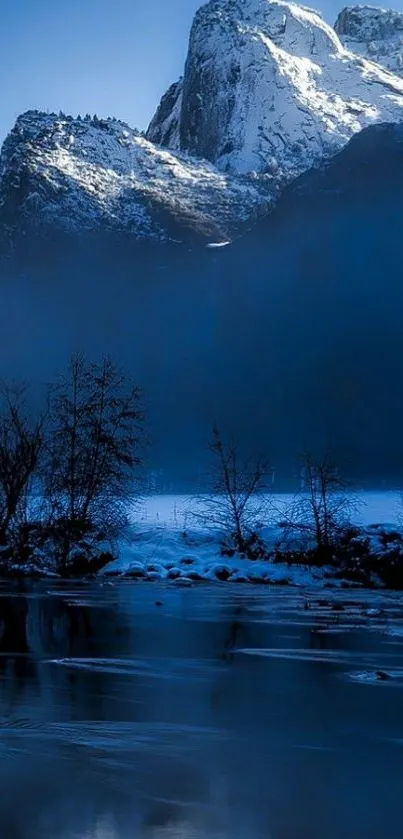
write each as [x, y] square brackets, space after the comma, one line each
[225, 712]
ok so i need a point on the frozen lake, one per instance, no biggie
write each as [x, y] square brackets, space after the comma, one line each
[220, 713]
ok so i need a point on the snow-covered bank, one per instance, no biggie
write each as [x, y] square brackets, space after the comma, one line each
[176, 540]
[166, 553]
[169, 544]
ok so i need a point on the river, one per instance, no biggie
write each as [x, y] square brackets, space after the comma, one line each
[133, 710]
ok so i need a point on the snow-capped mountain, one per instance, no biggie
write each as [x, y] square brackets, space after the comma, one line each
[89, 174]
[374, 33]
[268, 91]
[269, 85]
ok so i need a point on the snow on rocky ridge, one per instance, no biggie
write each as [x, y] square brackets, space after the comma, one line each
[376, 34]
[83, 174]
[269, 85]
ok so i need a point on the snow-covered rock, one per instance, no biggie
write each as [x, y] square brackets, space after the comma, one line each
[269, 87]
[91, 174]
[376, 34]
[169, 545]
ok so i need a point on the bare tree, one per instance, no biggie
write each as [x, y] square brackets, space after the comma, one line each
[21, 441]
[321, 512]
[238, 500]
[96, 431]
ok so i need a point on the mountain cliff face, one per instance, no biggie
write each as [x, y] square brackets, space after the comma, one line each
[269, 86]
[376, 34]
[164, 128]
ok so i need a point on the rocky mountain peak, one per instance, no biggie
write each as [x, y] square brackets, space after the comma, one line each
[268, 85]
[374, 33]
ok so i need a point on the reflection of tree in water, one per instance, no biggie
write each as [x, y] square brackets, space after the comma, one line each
[41, 630]
[80, 633]
[47, 776]
[15, 661]
[62, 628]
[13, 618]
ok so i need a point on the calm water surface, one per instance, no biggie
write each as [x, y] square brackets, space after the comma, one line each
[222, 711]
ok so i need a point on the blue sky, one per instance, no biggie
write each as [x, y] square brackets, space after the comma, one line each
[110, 57]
